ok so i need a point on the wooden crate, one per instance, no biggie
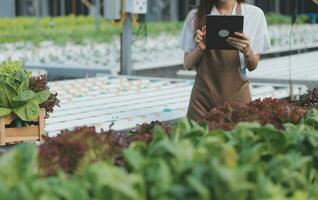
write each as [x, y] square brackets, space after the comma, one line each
[29, 133]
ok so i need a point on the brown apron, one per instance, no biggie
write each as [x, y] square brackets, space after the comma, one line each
[218, 80]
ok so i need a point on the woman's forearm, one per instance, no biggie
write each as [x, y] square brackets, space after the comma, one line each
[252, 62]
[192, 59]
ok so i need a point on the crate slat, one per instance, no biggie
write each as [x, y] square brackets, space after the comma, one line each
[21, 139]
[28, 133]
[22, 132]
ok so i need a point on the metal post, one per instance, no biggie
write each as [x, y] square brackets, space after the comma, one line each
[159, 9]
[74, 7]
[13, 11]
[97, 14]
[44, 8]
[126, 67]
[62, 2]
[186, 7]
[7, 8]
[174, 10]
[277, 6]
[37, 9]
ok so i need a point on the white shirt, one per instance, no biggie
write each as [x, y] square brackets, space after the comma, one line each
[255, 27]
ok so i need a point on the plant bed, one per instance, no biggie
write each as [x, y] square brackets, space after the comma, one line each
[31, 132]
[249, 162]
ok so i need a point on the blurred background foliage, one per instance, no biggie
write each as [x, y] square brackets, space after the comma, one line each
[80, 28]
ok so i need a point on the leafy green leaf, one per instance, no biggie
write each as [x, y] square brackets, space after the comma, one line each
[21, 76]
[199, 187]
[8, 94]
[182, 127]
[5, 111]
[4, 101]
[312, 118]
[42, 96]
[134, 158]
[24, 96]
[110, 181]
[28, 112]
[18, 164]
[24, 85]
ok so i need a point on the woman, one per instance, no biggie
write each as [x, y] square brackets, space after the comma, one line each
[221, 75]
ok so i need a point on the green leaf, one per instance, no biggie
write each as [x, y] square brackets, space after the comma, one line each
[8, 92]
[114, 182]
[5, 192]
[182, 127]
[24, 96]
[41, 97]
[134, 158]
[28, 112]
[4, 102]
[199, 187]
[312, 118]
[18, 165]
[22, 76]
[160, 177]
[5, 111]
[158, 133]
[24, 85]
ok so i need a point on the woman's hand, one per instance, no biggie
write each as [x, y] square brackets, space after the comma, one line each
[200, 38]
[242, 43]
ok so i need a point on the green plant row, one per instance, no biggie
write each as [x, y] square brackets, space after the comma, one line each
[274, 19]
[249, 162]
[69, 29]
[78, 28]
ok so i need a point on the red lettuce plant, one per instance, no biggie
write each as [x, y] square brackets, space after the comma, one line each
[70, 149]
[308, 100]
[39, 83]
[267, 111]
[83, 146]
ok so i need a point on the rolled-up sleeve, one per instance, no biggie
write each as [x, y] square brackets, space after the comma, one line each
[186, 39]
[261, 42]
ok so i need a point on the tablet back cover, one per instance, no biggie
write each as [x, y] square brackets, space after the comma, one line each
[219, 28]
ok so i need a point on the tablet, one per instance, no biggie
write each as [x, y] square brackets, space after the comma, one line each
[219, 28]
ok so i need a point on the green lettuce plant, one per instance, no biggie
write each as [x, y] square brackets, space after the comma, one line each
[192, 162]
[15, 94]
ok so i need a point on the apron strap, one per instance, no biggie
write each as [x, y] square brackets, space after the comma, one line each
[238, 10]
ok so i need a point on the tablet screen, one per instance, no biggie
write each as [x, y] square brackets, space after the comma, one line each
[219, 28]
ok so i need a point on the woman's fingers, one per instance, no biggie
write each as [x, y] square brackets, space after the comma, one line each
[241, 35]
[199, 37]
[204, 29]
[200, 33]
[246, 42]
[243, 45]
[202, 46]
[239, 46]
